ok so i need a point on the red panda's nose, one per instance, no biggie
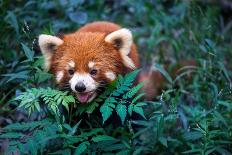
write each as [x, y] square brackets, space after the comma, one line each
[80, 87]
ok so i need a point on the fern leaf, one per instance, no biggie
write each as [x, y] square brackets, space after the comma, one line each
[69, 99]
[65, 104]
[36, 103]
[92, 107]
[121, 111]
[133, 91]
[137, 98]
[129, 78]
[107, 108]
[139, 111]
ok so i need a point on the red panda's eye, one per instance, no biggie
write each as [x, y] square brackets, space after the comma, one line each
[71, 71]
[93, 72]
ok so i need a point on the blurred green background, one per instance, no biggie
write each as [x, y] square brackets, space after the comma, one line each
[164, 31]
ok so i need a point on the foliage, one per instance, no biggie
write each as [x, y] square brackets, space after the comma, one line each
[53, 98]
[72, 139]
[192, 115]
[123, 89]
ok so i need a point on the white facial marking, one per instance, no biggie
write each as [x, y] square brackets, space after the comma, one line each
[71, 64]
[88, 81]
[91, 64]
[59, 76]
[110, 75]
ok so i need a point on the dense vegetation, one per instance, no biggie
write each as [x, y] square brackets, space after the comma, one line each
[192, 115]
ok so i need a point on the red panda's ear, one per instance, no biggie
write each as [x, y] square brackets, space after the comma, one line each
[122, 40]
[48, 44]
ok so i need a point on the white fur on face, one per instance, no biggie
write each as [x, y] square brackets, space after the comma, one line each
[127, 41]
[71, 64]
[91, 64]
[59, 76]
[88, 81]
[110, 75]
[45, 42]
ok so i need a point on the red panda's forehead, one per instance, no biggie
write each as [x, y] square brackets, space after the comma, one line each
[82, 49]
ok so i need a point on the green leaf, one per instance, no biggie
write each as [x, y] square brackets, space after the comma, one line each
[12, 135]
[81, 148]
[70, 99]
[163, 141]
[140, 104]
[65, 105]
[74, 129]
[92, 107]
[139, 111]
[137, 98]
[102, 138]
[106, 112]
[12, 20]
[227, 104]
[37, 105]
[195, 151]
[130, 109]
[133, 91]
[123, 152]
[193, 135]
[28, 52]
[129, 78]
[107, 108]
[32, 146]
[121, 111]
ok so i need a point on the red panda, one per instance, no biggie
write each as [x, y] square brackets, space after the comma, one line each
[91, 57]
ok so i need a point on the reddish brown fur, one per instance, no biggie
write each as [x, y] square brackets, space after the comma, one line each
[88, 44]
[107, 28]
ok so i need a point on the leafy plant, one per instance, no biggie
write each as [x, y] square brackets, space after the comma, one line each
[72, 139]
[52, 98]
[123, 105]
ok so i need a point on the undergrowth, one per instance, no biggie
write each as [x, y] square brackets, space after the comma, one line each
[72, 138]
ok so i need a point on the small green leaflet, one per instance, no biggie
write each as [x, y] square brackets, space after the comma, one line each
[139, 110]
[81, 148]
[102, 138]
[28, 52]
[107, 108]
[12, 135]
[12, 20]
[51, 97]
[133, 90]
[121, 111]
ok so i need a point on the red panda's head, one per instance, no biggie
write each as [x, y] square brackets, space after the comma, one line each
[84, 62]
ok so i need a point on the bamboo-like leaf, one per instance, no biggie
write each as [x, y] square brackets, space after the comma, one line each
[28, 52]
[81, 148]
[102, 138]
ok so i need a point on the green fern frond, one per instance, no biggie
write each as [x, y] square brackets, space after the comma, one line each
[51, 97]
[120, 97]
